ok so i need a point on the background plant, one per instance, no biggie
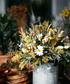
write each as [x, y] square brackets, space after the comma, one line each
[9, 34]
[40, 8]
[66, 19]
[19, 13]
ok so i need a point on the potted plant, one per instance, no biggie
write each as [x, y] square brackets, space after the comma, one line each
[38, 10]
[9, 36]
[42, 47]
[65, 15]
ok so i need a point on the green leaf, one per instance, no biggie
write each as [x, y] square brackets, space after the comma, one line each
[29, 42]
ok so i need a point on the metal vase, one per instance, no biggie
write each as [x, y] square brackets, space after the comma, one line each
[46, 73]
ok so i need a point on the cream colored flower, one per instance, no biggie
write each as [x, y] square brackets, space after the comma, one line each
[59, 47]
[60, 34]
[45, 38]
[66, 47]
[24, 50]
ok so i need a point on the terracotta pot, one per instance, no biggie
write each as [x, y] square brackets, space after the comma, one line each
[3, 74]
[0, 53]
[3, 57]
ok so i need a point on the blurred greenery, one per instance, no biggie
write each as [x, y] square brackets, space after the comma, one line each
[10, 64]
[40, 8]
[9, 34]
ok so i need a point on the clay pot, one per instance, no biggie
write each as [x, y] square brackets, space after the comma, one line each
[14, 69]
[3, 57]
[3, 74]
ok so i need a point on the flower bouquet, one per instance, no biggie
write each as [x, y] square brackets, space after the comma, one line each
[41, 44]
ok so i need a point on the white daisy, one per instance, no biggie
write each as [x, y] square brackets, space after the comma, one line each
[39, 36]
[39, 51]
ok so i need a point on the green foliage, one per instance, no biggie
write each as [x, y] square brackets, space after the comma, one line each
[8, 33]
[63, 62]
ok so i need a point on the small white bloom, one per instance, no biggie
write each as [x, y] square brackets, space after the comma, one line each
[39, 36]
[20, 44]
[39, 51]
[6, 71]
[34, 41]
[29, 46]
[66, 47]
[23, 50]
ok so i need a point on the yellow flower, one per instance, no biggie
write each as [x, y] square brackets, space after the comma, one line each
[61, 15]
[50, 37]
[55, 36]
[50, 29]
[63, 11]
[15, 58]
[67, 12]
[45, 59]
[67, 15]
[65, 7]
[36, 26]
[64, 15]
